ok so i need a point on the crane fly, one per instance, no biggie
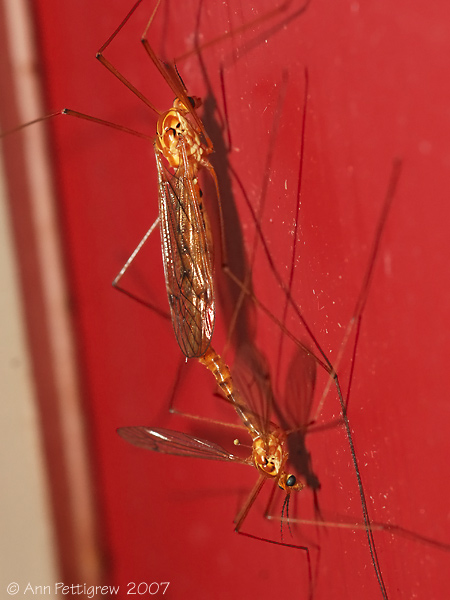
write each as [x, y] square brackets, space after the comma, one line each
[186, 240]
[181, 148]
[269, 454]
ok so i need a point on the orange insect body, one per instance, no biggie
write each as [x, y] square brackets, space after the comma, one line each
[186, 238]
[187, 246]
[269, 448]
[187, 249]
[173, 125]
[269, 454]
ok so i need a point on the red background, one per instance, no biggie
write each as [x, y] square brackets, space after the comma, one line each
[378, 89]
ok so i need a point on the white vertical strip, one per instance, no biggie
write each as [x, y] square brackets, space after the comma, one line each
[27, 553]
[48, 252]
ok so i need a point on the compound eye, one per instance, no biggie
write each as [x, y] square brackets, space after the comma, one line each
[291, 481]
[192, 101]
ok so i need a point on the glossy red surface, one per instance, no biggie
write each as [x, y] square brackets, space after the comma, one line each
[378, 89]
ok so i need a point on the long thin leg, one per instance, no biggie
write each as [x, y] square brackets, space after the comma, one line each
[124, 269]
[297, 212]
[243, 512]
[105, 62]
[74, 113]
[375, 526]
[39, 120]
[246, 285]
[241, 516]
[180, 413]
[356, 319]
[79, 115]
[252, 25]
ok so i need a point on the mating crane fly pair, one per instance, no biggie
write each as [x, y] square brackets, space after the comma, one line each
[178, 141]
[187, 250]
[269, 453]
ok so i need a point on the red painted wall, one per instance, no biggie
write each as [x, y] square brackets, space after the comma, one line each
[378, 89]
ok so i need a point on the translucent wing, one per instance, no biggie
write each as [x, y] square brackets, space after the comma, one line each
[176, 442]
[294, 409]
[293, 413]
[252, 378]
[187, 257]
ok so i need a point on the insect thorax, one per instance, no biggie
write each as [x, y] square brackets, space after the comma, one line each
[268, 455]
[173, 129]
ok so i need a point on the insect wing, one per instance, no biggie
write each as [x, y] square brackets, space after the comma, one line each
[293, 410]
[167, 441]
[187, 258]
[252, 378]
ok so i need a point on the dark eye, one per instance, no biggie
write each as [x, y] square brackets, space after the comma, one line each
[290, 481]
[192, 101]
